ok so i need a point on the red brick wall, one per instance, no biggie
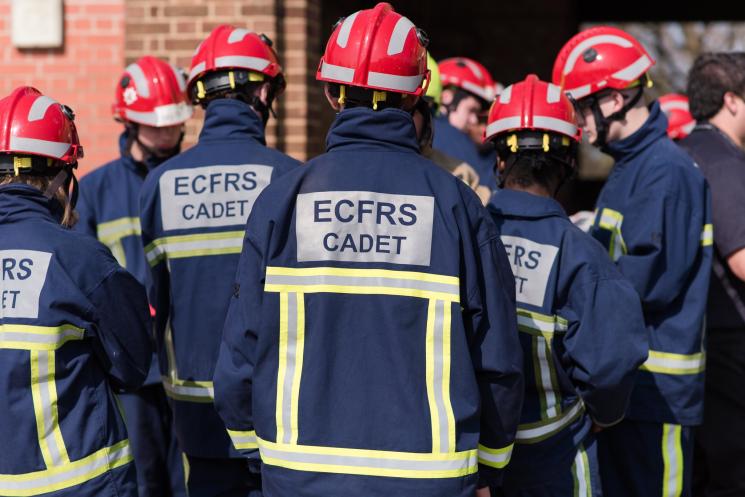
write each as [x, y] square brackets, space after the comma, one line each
[82, 74]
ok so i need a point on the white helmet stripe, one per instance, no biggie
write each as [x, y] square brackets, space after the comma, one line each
[674, 105]
[553, 124]
[238, 34]
[346, 28]
[244, 62]
[485, 93]
[163, 115]
[506, 95]
[553, 94]
[579, 92]
[591, 42]
[688, 128]
[39, 108]
[337, 73]
[503, 124]
[635, 70]
[139, 78]
[39, 147]
[179, 77]
[197, 69]
[474, 69]
[398, 38]
[394, 82]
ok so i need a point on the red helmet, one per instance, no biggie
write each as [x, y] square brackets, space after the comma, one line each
[599, 58]
[33, 124]
[152, 92]
[680, 122]
[376, 49]
[468, 75]
[532, 105]
[228, 47]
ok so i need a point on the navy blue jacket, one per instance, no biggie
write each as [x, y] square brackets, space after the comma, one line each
[73, 327]
[108, 206]
[458, 144]
[582, 332]
[193, 212]
[654, 217]
[372, 333]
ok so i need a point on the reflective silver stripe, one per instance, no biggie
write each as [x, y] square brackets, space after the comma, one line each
[291, 358]
[674, 105]
[532, 322]
[398, 37]
[474, 68]
[438, 377]
[503, 124]
[545, 365]
[678, 364]
[188, 390]
[322, 280]
[553, 94]
[506, 95]
[579, 92]
[394, 82]
[337, 73]
[179, 77]
[164, 115]
[591, 42]
[243, 439]
[346, 28]
[117, 229]
[11, 339]
[41, 147]
[707, 235]
[554, 124]
[485, 93]
[45, 408]
[198, 69]
[635, 70]
[139, 79]
[672, 457]
[583, 483]
[179, 246]
[39, 108]
[496, 458]
[535, 432]
[68, 475]
[242, 61]
[238, 34]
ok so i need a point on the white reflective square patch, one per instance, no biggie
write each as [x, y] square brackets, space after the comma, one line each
[211, 196]
[531, 264]
[22, 277]
[364, 227]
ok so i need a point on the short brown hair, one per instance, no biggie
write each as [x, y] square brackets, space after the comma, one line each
[713, 75]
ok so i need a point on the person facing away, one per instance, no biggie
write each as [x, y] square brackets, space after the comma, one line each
[716, 83]
[73, 323]
[151, 103]
[193, 211]
[653, 216]
[371, 346]
[580, 321]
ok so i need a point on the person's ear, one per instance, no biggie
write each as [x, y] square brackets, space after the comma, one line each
[333, 101]
[263, 92]
[447, 97]
[732, 102]
[501, 166]
[618, 101]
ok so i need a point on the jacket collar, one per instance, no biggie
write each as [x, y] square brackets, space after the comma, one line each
[230, 119]
[19, 202]
[654, 128]
[515, 203]
[361, 127]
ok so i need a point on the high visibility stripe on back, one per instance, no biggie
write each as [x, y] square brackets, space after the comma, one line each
[44, 395]
[581, 474]
[31, 337]
[189, 391]
[529, 433]
[113, 231]
[197, 245]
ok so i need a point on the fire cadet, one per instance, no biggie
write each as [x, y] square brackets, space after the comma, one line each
[581, 323]
[654, 217]
[371, 347]
[73, 323]
[193, 212]
[468, 90]
[151, 103]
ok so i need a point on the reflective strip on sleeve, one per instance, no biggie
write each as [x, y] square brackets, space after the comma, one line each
[676, 364]
[181, 246]
[672, 457]
[612, 220]
[362, 281]
[44, 395]
[66, 475]
[707, 235]
[189, 391]
[369, 462]
[30, 337]
[113, 231]
[496, 458]
[536, 432]
[535, 323]
[244, 439]
[581, 474]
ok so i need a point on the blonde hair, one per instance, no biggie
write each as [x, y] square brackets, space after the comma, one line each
[69, 218]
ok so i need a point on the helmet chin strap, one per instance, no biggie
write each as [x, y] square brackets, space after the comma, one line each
[603, 123]
[61, 179]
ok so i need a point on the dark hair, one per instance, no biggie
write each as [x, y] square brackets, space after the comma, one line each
[535, 167]
[713, 75]
[355, 96]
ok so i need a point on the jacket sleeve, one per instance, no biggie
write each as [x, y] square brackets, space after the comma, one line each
[233, 378]
[490, 317]
[120, 312]
[605, 343]
[663, 241]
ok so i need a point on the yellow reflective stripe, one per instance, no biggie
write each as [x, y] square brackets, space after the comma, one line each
[244, 439]
[113, 231]
[189, 391]
[672, 457]
[31, 337]
[545, 377]
[362, 282]
[535, 323]
[496, 458]
[676, 364]
[44, 395]
[284, 319]
[446, 365]
[66, 475]
[581, 474]
[369, 462]
[438, 376]
[707, 235]
[299, 349]
[530, 433]
[430, 373]
[612, 220]
[202, 244]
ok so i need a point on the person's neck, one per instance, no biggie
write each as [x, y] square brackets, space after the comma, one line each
[727, 125]
[136, 152]
[534, 189]
[635, 119]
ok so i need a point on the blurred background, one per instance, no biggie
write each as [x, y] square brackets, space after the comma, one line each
[75, 50]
